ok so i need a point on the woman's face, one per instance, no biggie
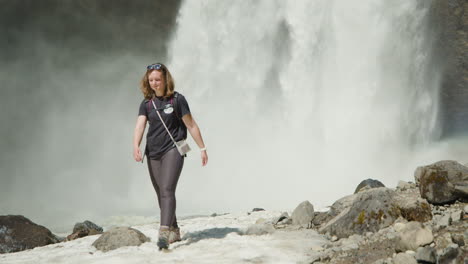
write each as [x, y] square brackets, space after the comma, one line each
[156, 82]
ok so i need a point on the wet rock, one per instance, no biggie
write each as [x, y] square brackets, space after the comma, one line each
[119, 237]
[258, 209]
[18, 233]
[426, 255]
[412, 235]
[449, 255]
[87, 228]
[443, 182]
[370, 183]
[303, 214]
[370, 211]
[403, 258]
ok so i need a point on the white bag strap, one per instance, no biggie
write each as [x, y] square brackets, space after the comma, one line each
[155, 108]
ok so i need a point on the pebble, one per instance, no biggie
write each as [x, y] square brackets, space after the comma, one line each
[456, 216]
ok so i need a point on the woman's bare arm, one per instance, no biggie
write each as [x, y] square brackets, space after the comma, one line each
[194, 130]
[137, 136]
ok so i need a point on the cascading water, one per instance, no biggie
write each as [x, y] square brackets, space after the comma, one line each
[303, 99]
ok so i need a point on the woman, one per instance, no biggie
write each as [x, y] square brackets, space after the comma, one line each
[164, 160]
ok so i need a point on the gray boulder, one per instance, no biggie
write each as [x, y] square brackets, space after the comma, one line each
[87, 228]
[120, 237]
[442, 221]
[458, 239]
[456, 215]
[303, 215]
[368, 184]
[442, 241]
[449, 255]
[426, 255]
[403, 258]
[413, 207]
[341, 204]
[443, 182]
[282, 217]
[18, 233]
[403, 186]
[370, 211]
[412, 235]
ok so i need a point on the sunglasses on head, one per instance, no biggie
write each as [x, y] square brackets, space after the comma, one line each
[156, 66]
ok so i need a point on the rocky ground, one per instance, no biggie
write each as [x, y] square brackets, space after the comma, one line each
[421, 222]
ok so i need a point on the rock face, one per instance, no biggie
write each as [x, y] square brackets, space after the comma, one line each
[120, 237]
[448, 25]
[303, 214]
[443, 182]
[18, 233]
[368, 184]
[371, 210]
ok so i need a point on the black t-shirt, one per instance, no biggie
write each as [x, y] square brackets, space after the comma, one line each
[158, 141]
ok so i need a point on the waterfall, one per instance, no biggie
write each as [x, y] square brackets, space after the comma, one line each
[304, 99]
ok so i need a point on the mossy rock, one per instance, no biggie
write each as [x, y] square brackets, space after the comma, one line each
[443, 182]
[370, 211]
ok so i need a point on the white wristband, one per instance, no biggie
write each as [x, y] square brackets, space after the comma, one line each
[203, 149]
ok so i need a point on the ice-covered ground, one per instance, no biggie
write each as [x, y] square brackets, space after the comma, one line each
[206, 240]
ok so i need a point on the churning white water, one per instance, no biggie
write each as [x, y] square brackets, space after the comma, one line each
[303, 99]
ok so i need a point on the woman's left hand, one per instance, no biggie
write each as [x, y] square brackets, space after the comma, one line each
[204, 157]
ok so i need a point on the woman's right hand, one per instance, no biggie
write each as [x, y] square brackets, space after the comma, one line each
[137, 154]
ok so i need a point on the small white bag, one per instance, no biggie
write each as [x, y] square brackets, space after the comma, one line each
[182, 145]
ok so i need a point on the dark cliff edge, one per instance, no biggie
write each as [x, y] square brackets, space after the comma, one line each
[449, 21]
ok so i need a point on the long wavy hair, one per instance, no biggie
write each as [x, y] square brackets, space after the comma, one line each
[169, 85]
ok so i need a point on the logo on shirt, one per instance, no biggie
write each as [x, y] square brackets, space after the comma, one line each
[168, 109]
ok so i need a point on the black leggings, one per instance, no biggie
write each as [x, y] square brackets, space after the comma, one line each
[164, 175]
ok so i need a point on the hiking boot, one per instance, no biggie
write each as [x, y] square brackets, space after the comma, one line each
[163, 238]
[174, 235]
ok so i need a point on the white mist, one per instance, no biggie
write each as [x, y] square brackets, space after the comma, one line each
[301, 100]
